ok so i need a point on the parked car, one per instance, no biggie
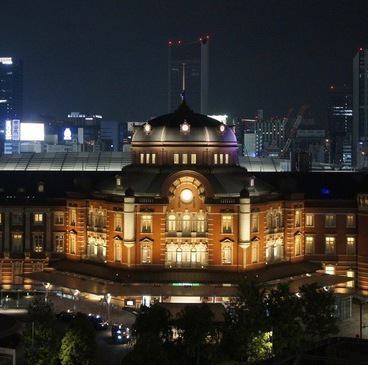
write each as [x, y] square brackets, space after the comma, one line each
[66, 316]
[98, 322]
[121, 333]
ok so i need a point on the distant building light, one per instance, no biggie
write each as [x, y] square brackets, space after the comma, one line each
[6, 60]
[222, 118]
[3, 101]
[67, 134]
[89, 118]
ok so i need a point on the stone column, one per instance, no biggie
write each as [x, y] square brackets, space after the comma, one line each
[129, 223]
[244, 223]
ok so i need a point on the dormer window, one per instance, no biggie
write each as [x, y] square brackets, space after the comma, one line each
[147, 128]
[185, 128]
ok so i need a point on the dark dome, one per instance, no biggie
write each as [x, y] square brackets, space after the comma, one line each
[166, 128]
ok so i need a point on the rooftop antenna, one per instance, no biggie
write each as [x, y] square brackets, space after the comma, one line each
[183, 85]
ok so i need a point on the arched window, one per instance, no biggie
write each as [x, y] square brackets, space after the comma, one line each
[254, 253]
[179, 256]
[186, 254]
[202, 254]
[117, 249]
[186, 223]
[171, 253]
[146, 252]
[200, 223]
[171, 223]
[298, 244]
[227, 253]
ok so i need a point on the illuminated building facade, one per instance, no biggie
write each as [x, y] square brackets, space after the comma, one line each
[183, 210]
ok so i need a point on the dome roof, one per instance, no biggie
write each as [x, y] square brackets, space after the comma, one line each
[167, 128]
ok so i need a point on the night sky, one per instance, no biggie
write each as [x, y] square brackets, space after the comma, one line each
[110, 57]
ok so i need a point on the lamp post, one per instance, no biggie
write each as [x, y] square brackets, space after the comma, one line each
[108, 301]
[47, 287]
[75, 298]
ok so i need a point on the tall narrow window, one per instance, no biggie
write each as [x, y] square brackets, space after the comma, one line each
[186, 223]
[350, 221]
[146, 253]
[72, 243]
[37, 241]
[118, 222]
[221, 156]
[254, 222]
[254, 253]
[176, 158]
[184, 158]
[227, 223]
[298, 215]
[146, 223]
[350, 245]
[153, 158]
[298, 244]
[226, 158]
[73, 217]
[58, 218]
[309, 245]
[330, 247]
[59, 242]
[309, 220]
[17, 243]
[227, 253]
[215, 161]
[17, 218]
[193, 158]
[200, 223]
[141, 158]
[330, 220]
[147, 158]
[171, 223]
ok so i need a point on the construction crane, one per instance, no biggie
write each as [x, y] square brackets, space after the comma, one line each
[293, 130]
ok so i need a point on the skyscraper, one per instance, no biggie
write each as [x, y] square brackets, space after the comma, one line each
[340, 121]
[11, 89]
[360, 104]
[194, 57]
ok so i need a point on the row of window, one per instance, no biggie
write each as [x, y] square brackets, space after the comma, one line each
[330, 245]
[330, 220]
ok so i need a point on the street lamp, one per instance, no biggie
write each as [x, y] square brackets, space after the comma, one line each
[47, 287]
[108, 301]
[75, 298]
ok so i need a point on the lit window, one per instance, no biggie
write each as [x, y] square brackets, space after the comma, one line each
[184, 158]
[73, 217]
[118, 250]
[330, 270]
[193, 158]
[141, 158]
[309, 245]
[298, 244]
[37, 242]
[147, 158]
[17, 243]
[38, 218]
[227, 223]
[297, 217]
[171, 223]
[226, 158]
[215, 159]
[176, 158]
[59, 242]
[153, 158]
[350, 274]
[330, 220]
[72, 243]
[350, 245]
[59, 218]
[221, 158]
[186, 196]
[309, 220]
[200, 223]
[146, 224]
[254, 222]
[146, 253]
[227, 253]
[186, 223]
[254, 253]
[118, 222]
[330, 248]
[350, 221]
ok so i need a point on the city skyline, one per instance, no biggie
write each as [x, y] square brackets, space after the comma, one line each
[100, 57]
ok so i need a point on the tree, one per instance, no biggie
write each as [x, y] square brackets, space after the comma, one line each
[246, 326]
[318, 312]
[78, 346]
[41, 338]
[196, 329]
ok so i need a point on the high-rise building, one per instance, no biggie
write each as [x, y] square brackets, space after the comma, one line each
[360, 102]
[11, 89]
[340, 122]
[193, 57]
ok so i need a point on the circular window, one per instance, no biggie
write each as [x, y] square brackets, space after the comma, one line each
[186, 196]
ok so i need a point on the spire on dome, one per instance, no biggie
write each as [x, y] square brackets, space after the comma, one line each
[183, 85]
